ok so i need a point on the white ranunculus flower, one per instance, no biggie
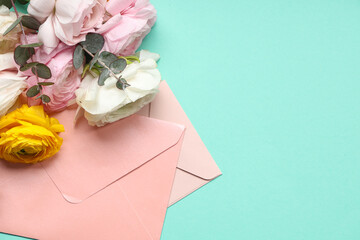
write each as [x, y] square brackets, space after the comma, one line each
[106, 104]
[8, 42]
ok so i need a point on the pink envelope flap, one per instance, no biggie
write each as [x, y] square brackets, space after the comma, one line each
[194, 158]
[92, 158]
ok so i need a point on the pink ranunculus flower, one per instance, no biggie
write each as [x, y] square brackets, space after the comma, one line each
[65, 77]
[66, 20]
[130, 22]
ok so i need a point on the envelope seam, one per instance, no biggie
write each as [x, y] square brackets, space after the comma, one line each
[206, 179]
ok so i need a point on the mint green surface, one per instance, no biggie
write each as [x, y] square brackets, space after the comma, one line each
[273, 88]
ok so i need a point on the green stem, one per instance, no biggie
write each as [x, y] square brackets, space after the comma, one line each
[25, 38]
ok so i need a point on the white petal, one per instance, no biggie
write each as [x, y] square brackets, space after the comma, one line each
[11, 86]
[97, 99]
[7, 61]
[41, 9]
[145, 54]
[47, 35]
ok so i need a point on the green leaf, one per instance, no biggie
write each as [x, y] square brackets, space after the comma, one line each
[42, 71]
[21, 55]
[32, 45]
[122, 84]
[33, 91]
[132, 58]
[23, 2]
[7, 3]
[96, 71]
[78, 57]
[94, 42]
[103, 76]
[94, 60]
[12, 26]
[85, 70]
[30, 22]
[45, 99]
[118, 66]
[28, 66]
[107, 58]
[46, 83]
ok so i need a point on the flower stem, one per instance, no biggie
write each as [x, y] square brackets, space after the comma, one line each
[104, 65]
[25, 38]
[21, 25]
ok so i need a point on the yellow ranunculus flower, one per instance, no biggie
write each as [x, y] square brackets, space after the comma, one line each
[29, 135]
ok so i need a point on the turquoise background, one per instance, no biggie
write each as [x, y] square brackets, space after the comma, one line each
[273, 88]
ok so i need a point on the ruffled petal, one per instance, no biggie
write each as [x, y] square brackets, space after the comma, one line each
[115, 6]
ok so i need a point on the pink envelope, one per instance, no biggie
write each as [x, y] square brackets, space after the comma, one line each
[105, 183]
[196, 167]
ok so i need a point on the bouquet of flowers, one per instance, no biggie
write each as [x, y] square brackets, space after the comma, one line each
[64, 53]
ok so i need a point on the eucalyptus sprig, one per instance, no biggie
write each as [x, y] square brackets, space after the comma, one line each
[24, 53]
[103, 63]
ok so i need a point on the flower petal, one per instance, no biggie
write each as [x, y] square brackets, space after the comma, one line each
[115, 6]
[11, 86]
[41, 9]
[47, 35]
[7, 61]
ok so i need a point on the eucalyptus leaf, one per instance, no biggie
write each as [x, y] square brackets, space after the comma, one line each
[94, 42]
[45, 99]
[103, 76]
[28, 66]
[78, 57]
[30, 22]
[122, 84]
[42, 71]
[94, 60]
[32, 45]
[118, 66]
[12, 26]
[7, 3]
[107, 58]
[33, 91]
[46, 83]
[21, 55]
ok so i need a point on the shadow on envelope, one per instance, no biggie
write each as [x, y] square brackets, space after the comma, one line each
[196, 167]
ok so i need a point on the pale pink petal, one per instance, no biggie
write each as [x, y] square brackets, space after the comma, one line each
[115, 6]
[111, 23]
[47, 35]
[41, 9]
[95, 18]
[137, 19]
[128, 34]
[67, 11]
